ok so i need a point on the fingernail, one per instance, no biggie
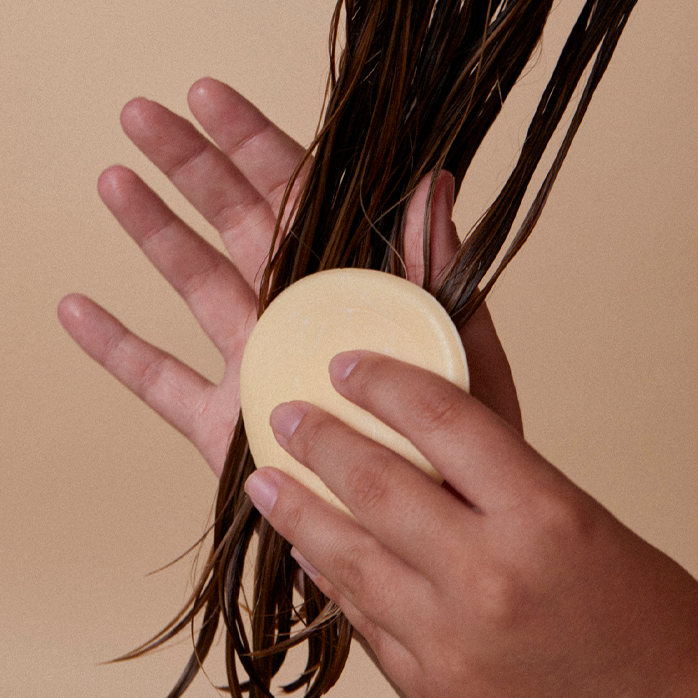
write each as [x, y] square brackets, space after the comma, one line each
[343, 364]
[304, 564]
[262, 490]
[285, 418]
[444, 194]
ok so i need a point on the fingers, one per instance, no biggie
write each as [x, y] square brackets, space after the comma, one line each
[172, 389]
[220, 299]
[264, 154]
[208, 179]
[360, 572]
[391, 498]
[474, 450]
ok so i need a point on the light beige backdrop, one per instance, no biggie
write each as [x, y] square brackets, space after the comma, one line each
[598, 313]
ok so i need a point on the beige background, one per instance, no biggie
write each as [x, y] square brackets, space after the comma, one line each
[598, 314]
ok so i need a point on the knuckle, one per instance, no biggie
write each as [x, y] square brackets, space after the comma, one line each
[369, 633]
[236, 219]
[437, 412]
[502, 597]
[199, 281]
[113, 347]
[288, 517]
[277, 191]
[350, 572]
[253, 136]
[152, 375]
[187, 159]
[309, 441]
[292, 518]
[368, 482]
[563, 520]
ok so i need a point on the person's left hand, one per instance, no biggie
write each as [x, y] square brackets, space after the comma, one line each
[237, 183]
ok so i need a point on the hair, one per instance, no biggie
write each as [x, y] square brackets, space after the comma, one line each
[414, 91]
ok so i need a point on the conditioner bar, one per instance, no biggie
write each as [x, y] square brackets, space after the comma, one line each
[321, 315]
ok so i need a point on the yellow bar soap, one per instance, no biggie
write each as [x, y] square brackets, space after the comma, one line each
[289, 350]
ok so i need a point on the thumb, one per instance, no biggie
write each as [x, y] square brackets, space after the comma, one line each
[491, 380]
[444, 240]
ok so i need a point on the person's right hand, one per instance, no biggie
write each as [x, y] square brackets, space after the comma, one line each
[237, 185]
[520, 586]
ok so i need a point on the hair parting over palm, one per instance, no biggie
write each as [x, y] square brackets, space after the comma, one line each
[411, 98]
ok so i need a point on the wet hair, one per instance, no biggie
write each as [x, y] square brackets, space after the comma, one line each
[413, 90]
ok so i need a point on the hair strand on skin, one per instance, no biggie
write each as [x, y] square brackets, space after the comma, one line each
[415, 90]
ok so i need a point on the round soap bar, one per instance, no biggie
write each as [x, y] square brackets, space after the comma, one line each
[290, 348]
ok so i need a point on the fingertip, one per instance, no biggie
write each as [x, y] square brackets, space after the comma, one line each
[285, 418]
[106, 179]
[446, 242]
[304, 564]
[215, 104]
[111, 180]
[207, 95]
[203, 98]
[262, 489]
[198, 90]
[446, 188]
[202, 87]
[132, 106]
[81, 318]
[71, 310]
[68, 305]
[342, 365]
[133, 115]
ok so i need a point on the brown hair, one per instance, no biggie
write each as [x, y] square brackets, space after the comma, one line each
[416, 89]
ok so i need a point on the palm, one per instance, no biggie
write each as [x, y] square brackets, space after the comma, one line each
[237, 185]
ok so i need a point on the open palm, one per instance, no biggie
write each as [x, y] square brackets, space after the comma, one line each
[237, 183]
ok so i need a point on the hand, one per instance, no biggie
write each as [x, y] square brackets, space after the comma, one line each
[520, 585]
[237, 185]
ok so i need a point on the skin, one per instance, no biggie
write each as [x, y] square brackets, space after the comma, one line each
[519, 585]
[236, 181]
[508, 582]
